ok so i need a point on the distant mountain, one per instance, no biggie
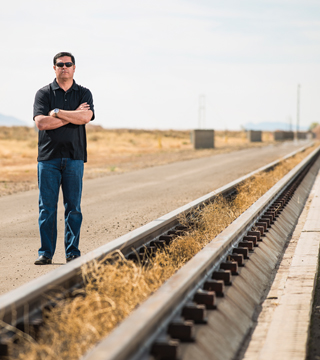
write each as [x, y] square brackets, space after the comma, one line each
[6, 120]
[272, 126]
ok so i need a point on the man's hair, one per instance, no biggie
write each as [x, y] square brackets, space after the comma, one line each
[60, 54]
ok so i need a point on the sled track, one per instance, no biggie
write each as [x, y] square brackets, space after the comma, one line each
[218, 288]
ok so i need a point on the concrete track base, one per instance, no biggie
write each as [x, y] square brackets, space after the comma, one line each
[282, 328]
[288, 318]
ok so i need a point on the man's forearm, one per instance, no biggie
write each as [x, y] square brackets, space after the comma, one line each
[77, 117]
[49, 122]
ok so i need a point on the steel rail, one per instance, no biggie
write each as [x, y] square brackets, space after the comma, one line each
[25, 304]
[145, 331]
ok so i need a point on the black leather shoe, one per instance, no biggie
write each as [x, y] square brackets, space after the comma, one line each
[43, 260]
[72, 257]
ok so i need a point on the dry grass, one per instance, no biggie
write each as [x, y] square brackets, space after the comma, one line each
[114, 288]
[109, 152]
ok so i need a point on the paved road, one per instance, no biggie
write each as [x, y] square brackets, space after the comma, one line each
[117, 204]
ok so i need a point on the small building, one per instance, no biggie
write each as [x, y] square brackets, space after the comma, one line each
[303, 135]
[202, 139]
[280, 135]
[254, 135]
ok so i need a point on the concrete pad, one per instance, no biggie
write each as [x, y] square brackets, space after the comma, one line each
[282, 327]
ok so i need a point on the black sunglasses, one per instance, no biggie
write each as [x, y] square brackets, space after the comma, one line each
[67, 64]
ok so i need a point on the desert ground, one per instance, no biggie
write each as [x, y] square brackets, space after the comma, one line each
[110, 152]
[131, 178]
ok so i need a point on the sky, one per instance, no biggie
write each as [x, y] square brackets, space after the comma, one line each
[149, 63]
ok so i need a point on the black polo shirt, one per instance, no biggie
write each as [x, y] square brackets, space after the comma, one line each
[68, 141]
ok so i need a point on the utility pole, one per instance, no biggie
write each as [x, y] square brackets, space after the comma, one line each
[298, 109]
[202, 111]
[289, 118]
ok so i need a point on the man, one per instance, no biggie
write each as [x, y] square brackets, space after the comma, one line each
[61, 111]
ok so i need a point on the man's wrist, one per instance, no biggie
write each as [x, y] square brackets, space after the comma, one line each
[55, 112]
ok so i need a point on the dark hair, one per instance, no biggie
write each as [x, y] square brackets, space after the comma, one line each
[60, 54]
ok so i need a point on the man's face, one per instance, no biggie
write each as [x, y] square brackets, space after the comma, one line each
[64, 73]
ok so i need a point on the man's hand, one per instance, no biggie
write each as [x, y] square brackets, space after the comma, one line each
[84, 106]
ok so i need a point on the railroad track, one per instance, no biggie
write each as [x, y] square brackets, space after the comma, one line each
[169, 322]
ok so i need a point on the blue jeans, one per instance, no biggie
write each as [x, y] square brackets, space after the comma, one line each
[51, 174]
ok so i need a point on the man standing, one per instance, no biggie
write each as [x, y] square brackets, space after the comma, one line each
[61, 111]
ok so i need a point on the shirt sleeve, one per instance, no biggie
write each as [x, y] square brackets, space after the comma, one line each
[87, 97]
[41, 104]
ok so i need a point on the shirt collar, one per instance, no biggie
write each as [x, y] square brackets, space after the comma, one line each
[55, 85]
